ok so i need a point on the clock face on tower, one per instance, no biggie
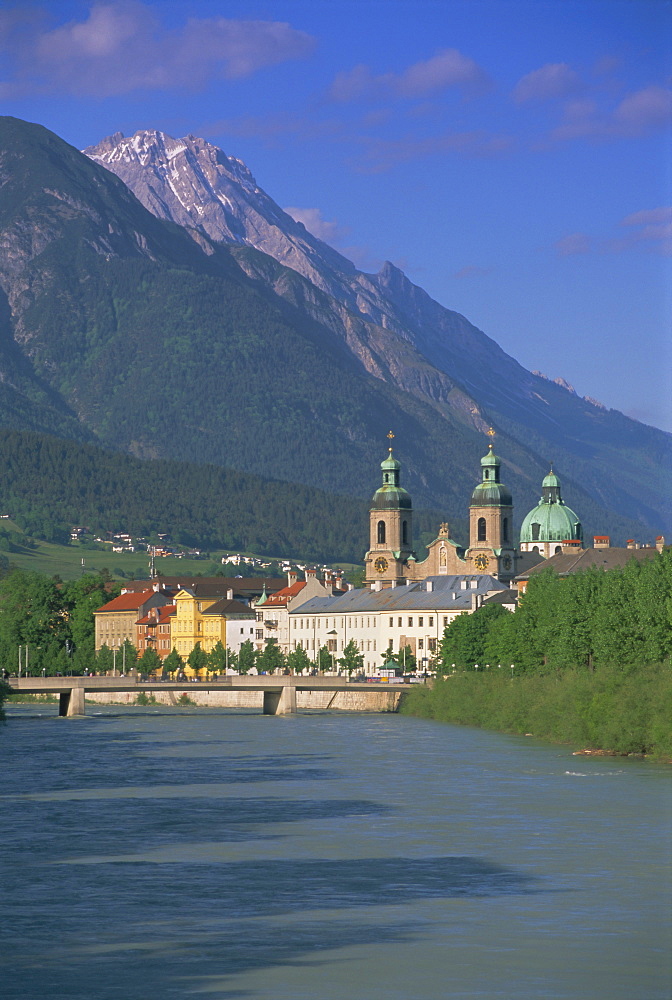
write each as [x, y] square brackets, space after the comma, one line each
[380, 564]
[481, 561]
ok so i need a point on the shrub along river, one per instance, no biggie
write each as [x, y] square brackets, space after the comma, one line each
[154, 854]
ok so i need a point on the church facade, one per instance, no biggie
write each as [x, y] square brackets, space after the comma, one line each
[391, 561]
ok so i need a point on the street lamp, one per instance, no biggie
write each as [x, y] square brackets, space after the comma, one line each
[333, 633]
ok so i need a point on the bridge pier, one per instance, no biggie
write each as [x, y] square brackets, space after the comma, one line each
[280, 702]
[71, 703]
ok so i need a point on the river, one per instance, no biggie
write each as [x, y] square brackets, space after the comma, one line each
[157, 854]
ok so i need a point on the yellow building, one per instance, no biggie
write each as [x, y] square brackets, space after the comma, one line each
[201, 616]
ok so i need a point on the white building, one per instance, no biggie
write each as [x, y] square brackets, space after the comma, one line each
[273, 612]
[413, 615]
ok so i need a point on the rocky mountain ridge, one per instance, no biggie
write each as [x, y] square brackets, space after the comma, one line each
[393, 327]
[152, 338]
[194, 183]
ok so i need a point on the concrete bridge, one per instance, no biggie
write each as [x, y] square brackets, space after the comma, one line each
[279, 690]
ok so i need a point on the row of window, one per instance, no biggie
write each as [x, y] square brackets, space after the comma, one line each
[354, 623]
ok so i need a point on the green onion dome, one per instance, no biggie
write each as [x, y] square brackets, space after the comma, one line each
[490, 491]
[391, 496]
[551, 520]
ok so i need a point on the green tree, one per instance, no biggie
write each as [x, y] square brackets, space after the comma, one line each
[31, 614]
[173, 663]
[219, 658]
[298, 660]
[325, 660]
[80, 599]
[352, 659]
[247, 657]
[272, 658]
[149, 662]
[197, 659]
[104, 660]
[464, 640]
[127, 657]
[406, 660]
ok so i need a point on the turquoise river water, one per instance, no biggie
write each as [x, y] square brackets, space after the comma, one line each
[157, 854]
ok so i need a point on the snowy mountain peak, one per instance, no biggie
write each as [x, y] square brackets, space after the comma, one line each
[194, 183]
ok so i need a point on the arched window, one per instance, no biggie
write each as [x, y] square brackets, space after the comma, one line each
[558, 550]
[505, 529]
[381, 532]
[536, 528]
[387, 477]
[487, 474]
[404, 532]
[482, 536]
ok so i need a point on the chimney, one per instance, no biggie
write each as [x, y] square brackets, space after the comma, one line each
[311, 574]
[292, 577]
[429, 586]
[229, 595]
[476, 601]
[393, 584]
[660, 542]
[601, 541]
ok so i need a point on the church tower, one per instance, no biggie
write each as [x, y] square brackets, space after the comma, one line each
[491, 548]
[391, 528]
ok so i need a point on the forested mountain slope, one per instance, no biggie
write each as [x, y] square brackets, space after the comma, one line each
[396, 330]
[150, 338]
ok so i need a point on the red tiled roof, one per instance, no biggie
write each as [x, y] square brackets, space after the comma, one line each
[284, 595]
[128, 602]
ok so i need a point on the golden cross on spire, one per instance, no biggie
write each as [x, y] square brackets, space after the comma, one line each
[491, 434]
[390, 435]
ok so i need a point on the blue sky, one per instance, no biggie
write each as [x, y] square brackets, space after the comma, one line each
[512, 156]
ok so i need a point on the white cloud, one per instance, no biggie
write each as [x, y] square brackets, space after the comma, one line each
[448, 68]
[312, 219]
[122, 46]
[652, 227]
[638, 114]
[551, 82]
[574, 243]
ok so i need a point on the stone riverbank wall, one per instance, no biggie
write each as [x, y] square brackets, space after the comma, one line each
[345, 701]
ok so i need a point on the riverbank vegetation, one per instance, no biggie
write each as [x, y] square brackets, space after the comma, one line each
[604, 710]
[585, 659]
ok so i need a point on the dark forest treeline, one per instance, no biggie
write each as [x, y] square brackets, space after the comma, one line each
[50, 484]
[584, 659]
